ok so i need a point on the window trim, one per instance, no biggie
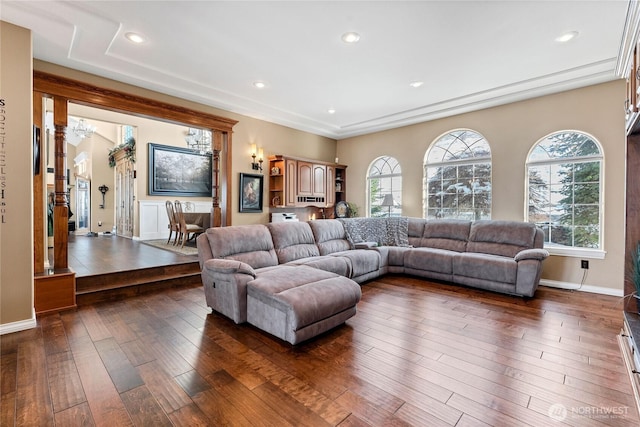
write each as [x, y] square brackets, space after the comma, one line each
[457, 162]
[388, 175]
[572, 251]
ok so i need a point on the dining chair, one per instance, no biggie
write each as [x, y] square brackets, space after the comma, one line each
[185, 229]
[173, 224]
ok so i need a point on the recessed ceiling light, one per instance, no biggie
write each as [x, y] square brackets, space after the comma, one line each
[134, 37]
[259, 85]
[331, 111]
[417, 83]
[567, 36]
[350, 37]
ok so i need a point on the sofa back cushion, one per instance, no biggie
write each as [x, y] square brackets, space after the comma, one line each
[292, 241]
[505, 238]
[384, 231]
[251, 244]
[415, 230]
[329, 235]
[448, 234]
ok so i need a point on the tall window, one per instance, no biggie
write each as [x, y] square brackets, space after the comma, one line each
[384, 180]
[127, 133]
[564, 189]
[457, 173]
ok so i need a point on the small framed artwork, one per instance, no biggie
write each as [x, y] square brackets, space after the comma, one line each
[251, 192]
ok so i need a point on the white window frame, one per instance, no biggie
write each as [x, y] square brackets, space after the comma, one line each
[459, 162]
[567, 251]
[396, 192]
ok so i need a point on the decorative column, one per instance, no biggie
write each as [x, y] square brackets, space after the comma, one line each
[61, 208]
[216, 217]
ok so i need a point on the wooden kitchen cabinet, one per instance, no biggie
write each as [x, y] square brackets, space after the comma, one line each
[297, 182]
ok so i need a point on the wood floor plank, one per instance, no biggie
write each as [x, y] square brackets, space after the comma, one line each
[8, 408]
[219, 411]
[32, 399]
[166, 391]
[79, 415]
[189, 416]
[250, 405]
[53, 334]
[64, 382]
[144, 409]
[290, 409]
[417, 417]
[192, 383]
[94, 323]
[123, 374]
[104, 401]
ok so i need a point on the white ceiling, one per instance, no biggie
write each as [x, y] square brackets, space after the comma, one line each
[470, 54]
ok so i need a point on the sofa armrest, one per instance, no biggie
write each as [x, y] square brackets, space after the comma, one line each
[537, 254]
[228, 266]
[365, 245]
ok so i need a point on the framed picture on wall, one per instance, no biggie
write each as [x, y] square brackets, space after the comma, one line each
[251, 192]
[175, 171]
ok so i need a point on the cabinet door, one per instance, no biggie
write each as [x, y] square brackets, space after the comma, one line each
[319, 181]
[305, 179]
[331, 183]
[291, 170]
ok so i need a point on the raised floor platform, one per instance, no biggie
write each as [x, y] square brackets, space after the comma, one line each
[110, 267]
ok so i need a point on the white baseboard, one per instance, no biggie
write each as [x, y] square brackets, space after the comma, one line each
[583, 288]
[21, 325]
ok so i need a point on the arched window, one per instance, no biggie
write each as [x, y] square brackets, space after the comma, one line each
[384, 181]
[457, 177]
[564, 190]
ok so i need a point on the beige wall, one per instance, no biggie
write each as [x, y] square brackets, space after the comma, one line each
[16, 177]
[511, 131]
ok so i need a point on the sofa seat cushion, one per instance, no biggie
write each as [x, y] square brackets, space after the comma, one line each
[361, 261]
[337, 265]
[292, 241]
[488, 267]
[430, 259]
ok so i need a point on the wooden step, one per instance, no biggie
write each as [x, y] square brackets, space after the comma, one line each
[124, 284]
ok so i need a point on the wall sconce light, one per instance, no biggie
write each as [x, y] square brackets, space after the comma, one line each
[256, 165]
[103, 189]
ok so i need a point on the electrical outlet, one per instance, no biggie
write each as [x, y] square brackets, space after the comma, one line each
[584, 264]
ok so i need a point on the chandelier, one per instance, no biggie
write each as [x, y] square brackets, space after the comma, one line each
[82, 129]
[199, 140]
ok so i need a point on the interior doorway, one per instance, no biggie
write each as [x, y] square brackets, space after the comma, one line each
[83, 206]
[125, 196]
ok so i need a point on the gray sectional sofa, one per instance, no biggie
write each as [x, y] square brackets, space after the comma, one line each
[296, 280]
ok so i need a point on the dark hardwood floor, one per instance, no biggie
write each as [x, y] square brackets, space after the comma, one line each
[109, 253]
[416, 353]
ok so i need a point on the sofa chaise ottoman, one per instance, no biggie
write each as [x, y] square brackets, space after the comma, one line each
[247, 279]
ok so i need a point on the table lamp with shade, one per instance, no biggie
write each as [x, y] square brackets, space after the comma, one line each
[388, 202]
